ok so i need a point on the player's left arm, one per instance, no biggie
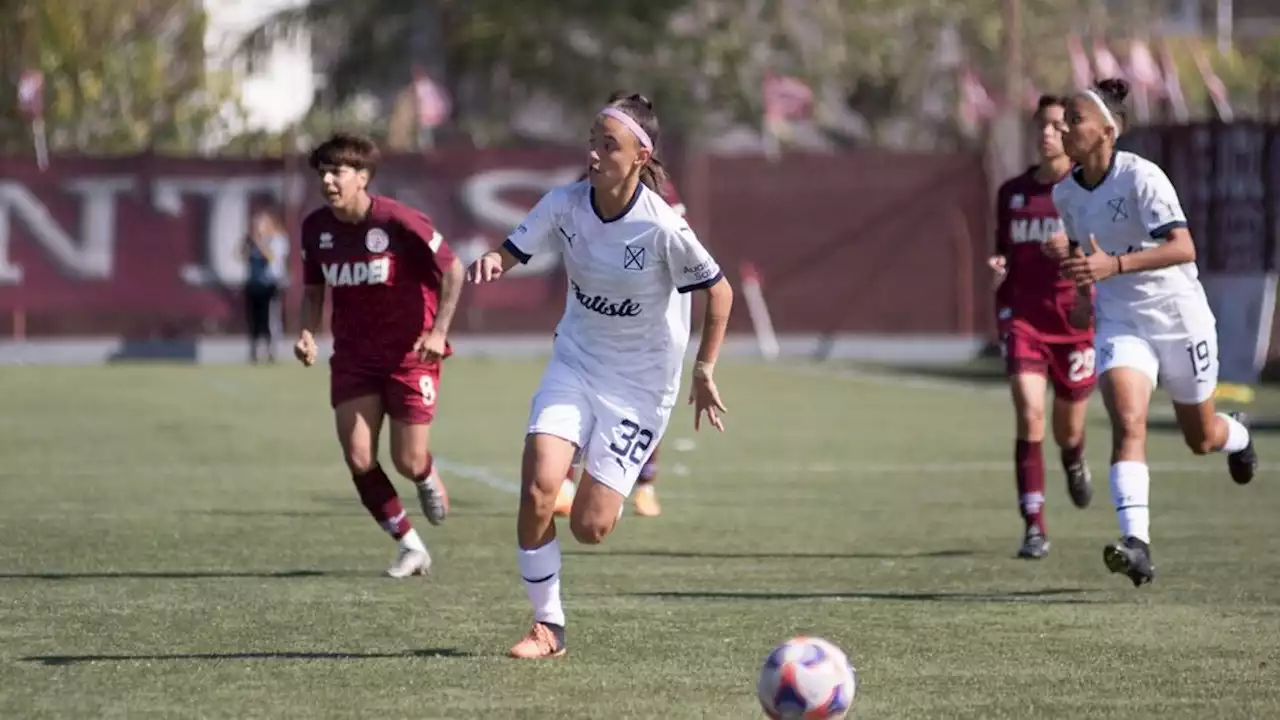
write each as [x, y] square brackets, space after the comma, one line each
[440, 258]
[1161, 212]
[693, 269]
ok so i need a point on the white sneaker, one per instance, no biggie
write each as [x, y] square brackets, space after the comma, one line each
[410, 562]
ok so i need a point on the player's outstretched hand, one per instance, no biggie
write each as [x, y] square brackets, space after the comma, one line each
[1091, 268]
[430, 346]
[305, 349]
[704, 397]
[999, 265]
[487, 269]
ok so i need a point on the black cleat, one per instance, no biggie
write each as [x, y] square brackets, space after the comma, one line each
[1242, 465]
[1079, 484]
[1132, 557]
[1035, 546]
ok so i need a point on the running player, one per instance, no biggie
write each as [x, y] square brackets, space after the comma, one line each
[1153, 321]
[395, 285]
[645, 495]
[1040, 344]
[615, 370]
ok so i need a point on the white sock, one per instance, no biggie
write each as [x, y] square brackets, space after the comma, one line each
[1130, 493]
[1237, 435]
[411, 541]
[540, 569]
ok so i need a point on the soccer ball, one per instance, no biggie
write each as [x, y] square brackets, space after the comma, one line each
[807, 678]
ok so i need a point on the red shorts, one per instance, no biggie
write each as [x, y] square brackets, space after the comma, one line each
[408, 393]
[1069, 366]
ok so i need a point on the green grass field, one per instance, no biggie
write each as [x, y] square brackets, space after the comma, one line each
[184, 542]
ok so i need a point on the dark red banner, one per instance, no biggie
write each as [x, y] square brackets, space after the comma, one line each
[869, 242]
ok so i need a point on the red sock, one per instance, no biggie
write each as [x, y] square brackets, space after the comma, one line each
[1072, 456]
[1030, 465]
[379, 497]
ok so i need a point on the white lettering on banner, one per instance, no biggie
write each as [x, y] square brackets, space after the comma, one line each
[482, 195]
[374, 272]
[88, 252]
[228, 201]
[90, 256]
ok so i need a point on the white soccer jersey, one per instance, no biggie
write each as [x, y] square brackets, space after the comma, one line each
[624, 323]
[1132, 209]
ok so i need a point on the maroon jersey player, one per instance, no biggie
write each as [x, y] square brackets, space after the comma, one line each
[394, 286]
[1040, 343]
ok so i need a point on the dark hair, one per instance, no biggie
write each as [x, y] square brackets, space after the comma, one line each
[1048, 101]
[640, 108]
[1113, 91]
[344, 148]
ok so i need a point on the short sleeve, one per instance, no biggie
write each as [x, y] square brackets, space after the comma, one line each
[418, 226]
[1003, 246]
[535, 234]
[311, 272]
[691, 266]
[1158, 203]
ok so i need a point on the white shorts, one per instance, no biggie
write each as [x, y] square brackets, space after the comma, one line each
[615, 431]
[1175, 344]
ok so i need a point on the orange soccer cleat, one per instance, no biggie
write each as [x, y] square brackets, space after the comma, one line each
[564, 501]
[543, 641]
[646, 500]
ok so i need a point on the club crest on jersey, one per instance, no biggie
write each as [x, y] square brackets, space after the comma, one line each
[632, 258]
[1118, 211]
[1017, 201]
[326, 241]
[376, 240]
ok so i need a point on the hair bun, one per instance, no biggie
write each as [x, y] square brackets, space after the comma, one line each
[626, 95]
[1114, 89]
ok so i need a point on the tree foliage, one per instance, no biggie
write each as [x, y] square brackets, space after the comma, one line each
[120, 75]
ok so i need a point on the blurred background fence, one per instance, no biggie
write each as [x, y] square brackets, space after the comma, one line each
[846, 148]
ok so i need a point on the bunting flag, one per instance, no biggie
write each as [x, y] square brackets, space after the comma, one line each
[1173, 85]
[1217, 90]
[31, 105]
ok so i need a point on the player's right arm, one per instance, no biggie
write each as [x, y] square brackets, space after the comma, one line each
[312, 310]
[999, 260]
[534, 235]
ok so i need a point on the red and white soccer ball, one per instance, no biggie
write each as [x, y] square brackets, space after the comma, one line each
[807, 678]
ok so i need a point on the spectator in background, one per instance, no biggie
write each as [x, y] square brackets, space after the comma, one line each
[266, 250]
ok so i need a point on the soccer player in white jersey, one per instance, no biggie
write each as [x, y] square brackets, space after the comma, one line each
[1127, 235]
[615, 369]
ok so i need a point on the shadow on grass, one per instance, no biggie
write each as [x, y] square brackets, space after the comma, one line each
[176, 574]
[1055, 596]
[60, 660]
[693, 555]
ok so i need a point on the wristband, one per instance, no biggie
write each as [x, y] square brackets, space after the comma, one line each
[1119, 265]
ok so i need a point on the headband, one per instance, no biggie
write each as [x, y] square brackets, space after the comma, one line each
[630, 124]
[1106, 112]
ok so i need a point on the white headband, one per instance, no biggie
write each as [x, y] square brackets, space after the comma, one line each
[1106, 112]
[630, 124]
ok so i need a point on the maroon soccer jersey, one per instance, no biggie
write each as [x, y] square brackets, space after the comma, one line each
[1033, 292]
[384, 274]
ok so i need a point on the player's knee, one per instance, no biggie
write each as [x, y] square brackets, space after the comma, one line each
[1030, 422]
[590, 529]
[411, 464]
[360, 459]
[539, 495]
